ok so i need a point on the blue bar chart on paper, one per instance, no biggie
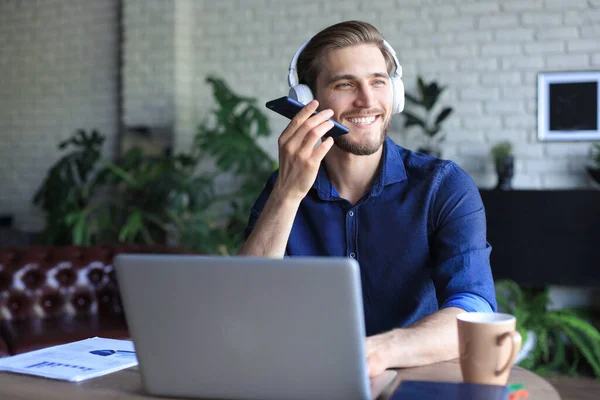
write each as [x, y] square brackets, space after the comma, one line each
[48, 364]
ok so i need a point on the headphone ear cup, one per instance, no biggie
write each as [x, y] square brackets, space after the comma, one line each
[398, 89]
[302, 93]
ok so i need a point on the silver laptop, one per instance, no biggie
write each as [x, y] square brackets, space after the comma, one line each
[247, 327]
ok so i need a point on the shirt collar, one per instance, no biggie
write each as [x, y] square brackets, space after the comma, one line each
[392, 171]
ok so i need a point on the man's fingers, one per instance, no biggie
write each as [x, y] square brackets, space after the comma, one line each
[312, 137]
[312, 126]
[375, 353]
[321, 151]
[298, 120]
[375, 365]
[314, 123]
[307, 111]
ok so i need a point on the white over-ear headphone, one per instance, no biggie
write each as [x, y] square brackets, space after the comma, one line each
[303, 94]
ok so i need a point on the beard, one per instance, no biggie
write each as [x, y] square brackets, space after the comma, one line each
[365, 148]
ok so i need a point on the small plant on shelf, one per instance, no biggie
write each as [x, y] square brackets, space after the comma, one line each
[594, 155]
[504, 164]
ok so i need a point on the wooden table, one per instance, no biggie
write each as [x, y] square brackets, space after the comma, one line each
[449, 371]
[127, 385]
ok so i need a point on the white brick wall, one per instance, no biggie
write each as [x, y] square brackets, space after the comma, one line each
[487, 52]
[58, 73]
[149, 63]
[58, 69]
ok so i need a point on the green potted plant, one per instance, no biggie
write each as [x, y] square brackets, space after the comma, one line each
[229, 136]
[144, 199]
[594, 156]
[425, 115]
[502, 154]
[89, 200]
[143, 192]
[70, 191]
[562, 337]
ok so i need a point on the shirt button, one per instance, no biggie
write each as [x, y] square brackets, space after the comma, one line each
[351, 213]
[352, 255]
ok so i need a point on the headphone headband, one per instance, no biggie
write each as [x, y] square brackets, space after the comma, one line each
[292, 75]
[293, 79]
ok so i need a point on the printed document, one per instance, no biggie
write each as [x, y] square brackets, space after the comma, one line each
[75, 361]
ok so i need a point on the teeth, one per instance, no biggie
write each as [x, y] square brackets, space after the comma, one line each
[366, 120]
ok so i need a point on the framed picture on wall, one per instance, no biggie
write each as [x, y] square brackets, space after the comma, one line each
[568, 106]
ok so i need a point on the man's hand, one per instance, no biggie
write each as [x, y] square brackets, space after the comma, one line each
[378, 351]
[430, 340]
[299, 162]
[299, 159]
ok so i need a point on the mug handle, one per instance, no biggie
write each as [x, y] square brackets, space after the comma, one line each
[516, 340]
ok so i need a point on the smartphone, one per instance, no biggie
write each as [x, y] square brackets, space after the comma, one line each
[289, 107]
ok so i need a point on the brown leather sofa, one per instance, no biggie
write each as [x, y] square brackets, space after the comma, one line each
[55, 295]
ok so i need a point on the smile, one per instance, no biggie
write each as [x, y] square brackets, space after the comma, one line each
[364, 121]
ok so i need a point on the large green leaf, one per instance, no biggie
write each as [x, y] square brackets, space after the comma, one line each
[432, 94]
[132, 226]
[422, 87]
[588, 350]
[443, 115]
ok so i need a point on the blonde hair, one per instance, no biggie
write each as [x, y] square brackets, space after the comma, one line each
[338, 36]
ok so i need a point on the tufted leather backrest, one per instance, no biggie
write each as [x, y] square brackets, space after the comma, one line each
[41, 282]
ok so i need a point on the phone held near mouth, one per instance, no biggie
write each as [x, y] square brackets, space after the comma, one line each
[289, 107]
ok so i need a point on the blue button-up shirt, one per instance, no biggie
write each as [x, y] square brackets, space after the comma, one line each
[418, 234]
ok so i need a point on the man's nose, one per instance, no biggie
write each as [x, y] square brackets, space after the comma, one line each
[365, 97]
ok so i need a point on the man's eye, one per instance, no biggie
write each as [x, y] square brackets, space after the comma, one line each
[380, 82]
[343, 85]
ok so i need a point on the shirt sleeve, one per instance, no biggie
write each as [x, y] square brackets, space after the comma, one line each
[468, 302]
[260, 204]
[457, 228]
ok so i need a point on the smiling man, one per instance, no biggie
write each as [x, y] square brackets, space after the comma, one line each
[368, 114]
[415, 223]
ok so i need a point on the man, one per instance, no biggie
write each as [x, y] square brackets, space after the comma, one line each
[415, 224]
